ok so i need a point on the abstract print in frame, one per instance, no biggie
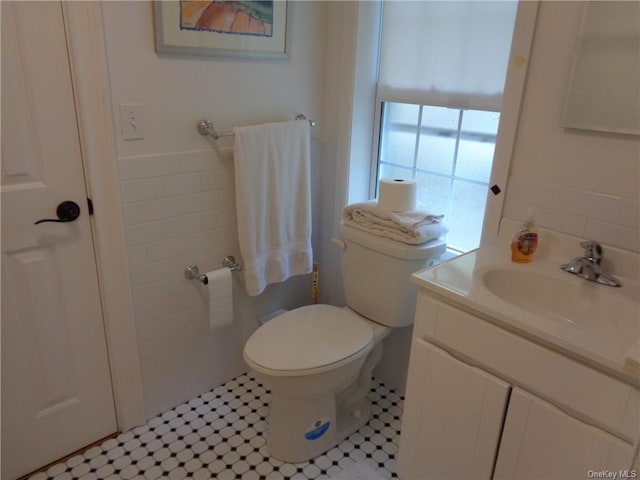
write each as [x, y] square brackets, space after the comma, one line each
[228, 28]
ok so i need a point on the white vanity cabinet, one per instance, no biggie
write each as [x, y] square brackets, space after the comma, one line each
[540, 441]
[483, 402]
[454, 416]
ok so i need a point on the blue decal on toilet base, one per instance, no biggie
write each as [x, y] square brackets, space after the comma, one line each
[318, 429]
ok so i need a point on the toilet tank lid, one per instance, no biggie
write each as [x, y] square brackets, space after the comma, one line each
[393, 248]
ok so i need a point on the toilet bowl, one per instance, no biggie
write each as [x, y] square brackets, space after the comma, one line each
[319, 376]
[317, 360]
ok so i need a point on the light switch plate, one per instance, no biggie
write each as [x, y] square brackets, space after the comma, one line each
[132, 121]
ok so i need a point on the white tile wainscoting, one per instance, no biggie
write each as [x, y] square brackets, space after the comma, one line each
[608, 219]
[179, 210]
[221, 435]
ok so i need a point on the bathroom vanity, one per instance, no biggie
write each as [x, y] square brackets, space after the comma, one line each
[518, 371]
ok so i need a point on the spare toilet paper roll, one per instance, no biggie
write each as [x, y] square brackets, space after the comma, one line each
[397, 195]
[220, 298]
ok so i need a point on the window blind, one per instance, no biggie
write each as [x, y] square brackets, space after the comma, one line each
[446, 53]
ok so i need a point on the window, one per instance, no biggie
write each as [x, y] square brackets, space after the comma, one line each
[442, 72]
[449, 152]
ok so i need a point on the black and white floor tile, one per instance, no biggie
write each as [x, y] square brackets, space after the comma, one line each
[222, 435]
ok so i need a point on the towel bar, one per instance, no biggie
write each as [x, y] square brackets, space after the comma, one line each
[205, 127]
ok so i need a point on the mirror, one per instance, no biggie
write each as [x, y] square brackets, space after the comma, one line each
[604, 87]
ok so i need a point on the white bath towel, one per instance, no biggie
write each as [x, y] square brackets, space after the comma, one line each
[412, 226]
[273, 201]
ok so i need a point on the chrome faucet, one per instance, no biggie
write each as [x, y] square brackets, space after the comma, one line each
[588, 266]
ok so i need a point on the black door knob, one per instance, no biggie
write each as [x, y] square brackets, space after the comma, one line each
[67, 212]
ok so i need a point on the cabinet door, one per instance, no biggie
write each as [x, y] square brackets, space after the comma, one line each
[541, 441]
[452, 418]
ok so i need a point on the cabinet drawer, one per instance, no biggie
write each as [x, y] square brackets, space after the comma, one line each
[586, 393]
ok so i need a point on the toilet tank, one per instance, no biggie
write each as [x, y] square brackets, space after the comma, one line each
[376, 273]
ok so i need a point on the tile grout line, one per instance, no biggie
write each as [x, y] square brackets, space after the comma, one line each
[221, 434]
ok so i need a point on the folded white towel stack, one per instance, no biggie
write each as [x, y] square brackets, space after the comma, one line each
[412, 226]
[273, 201]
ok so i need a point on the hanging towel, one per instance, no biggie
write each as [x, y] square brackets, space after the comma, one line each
[411, 226]
[273, 201]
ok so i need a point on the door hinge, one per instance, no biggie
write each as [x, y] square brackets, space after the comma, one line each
[90, 205]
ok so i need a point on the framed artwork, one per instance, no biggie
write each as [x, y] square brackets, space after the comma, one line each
[223, 28]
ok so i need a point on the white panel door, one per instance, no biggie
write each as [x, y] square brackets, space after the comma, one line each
[452, 418]
[56, 387]
[541, 441]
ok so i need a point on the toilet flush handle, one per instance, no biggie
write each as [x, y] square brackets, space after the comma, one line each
[340, 243]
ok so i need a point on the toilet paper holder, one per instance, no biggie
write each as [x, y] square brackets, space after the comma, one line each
[230, 262]
[192, 271]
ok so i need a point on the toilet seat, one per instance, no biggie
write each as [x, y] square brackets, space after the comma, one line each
[309, 339]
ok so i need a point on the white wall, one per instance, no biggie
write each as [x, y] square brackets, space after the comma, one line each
[178, 194]
[178, 190]
[580, 182]
[349, 96]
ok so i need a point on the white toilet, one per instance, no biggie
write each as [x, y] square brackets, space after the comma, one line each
[317, 360]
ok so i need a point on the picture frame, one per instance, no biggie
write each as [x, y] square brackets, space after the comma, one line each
[247, 29]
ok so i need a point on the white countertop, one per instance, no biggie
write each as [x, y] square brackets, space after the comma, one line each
[603, 322]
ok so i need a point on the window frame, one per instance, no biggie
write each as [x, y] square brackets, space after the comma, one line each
[458, 133]
[519, 56]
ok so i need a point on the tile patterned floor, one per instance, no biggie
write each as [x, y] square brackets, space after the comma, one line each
[221, 435]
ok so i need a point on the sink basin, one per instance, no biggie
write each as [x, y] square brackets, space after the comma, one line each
[594, 322]
[570, 300]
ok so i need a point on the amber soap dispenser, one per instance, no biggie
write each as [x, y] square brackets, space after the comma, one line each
[525, 241]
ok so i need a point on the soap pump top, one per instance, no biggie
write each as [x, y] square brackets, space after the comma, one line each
[525, 241]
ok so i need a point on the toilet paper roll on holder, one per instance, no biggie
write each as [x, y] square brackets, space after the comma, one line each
[192, 271]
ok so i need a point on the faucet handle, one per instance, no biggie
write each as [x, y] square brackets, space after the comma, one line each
[592, 251]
